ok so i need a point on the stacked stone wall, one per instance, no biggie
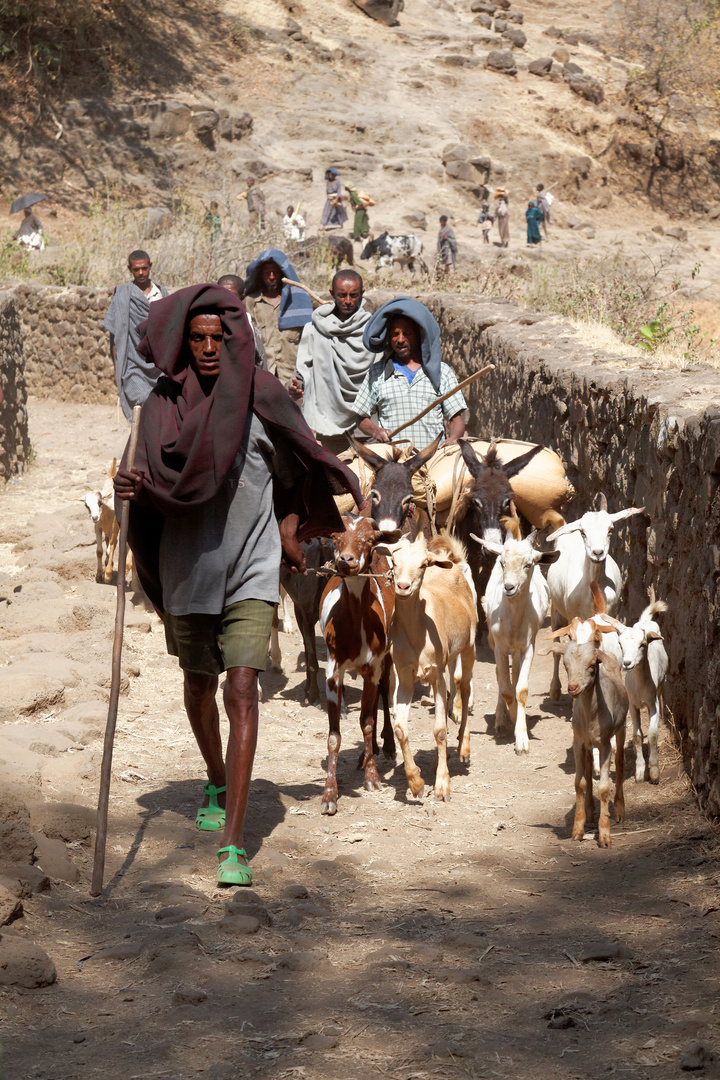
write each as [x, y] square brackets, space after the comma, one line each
[67, 356]
[14, 439]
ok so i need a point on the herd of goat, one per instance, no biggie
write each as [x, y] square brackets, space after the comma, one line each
[400, 606]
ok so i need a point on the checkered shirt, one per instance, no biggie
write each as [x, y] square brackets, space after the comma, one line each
[387, 392]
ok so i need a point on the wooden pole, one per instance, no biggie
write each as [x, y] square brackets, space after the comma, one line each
[289, 281]
[443, 397]
[104, 796]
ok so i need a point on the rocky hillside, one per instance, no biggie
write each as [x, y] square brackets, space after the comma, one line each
[428, 105]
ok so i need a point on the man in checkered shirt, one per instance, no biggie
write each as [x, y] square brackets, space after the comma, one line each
[402, 384]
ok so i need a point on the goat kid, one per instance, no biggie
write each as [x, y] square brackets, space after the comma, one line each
[516, 604]
[645, 663]
[584, 547]
[433, 629]
[355, 616]
[600, 704]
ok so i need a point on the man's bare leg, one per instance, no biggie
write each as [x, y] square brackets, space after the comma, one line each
[202, 712]
[241, 705]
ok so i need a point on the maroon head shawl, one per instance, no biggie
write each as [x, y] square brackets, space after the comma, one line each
[188, 441]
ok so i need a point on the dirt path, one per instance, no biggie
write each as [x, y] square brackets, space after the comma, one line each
[403, 939]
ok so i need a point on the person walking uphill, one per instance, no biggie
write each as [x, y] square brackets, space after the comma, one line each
[334, 214]
[332, 361]
[279, 311]
[227, 477]
[533, 216]
[446, 245]
[410, 378]
[129, 307]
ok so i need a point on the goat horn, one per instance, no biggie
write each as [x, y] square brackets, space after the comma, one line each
[627, 513]
[572, 526]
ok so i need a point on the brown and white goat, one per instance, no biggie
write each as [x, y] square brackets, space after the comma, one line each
[600, 705]
[433, 628]
[355, 615]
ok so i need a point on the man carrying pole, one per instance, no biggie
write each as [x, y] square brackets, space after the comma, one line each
[409, 378]
[228, 479]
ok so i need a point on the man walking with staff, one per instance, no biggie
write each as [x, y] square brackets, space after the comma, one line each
[227, 480]
[409, 379]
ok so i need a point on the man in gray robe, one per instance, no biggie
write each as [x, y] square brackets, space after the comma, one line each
[332, 362]
[129, 307]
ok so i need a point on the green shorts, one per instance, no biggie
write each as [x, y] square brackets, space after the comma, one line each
[210, 644]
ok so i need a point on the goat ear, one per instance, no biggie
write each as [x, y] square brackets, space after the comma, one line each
[549, 556]
[418, 460]
[494, 549]
[621, 514]
[439, 560]
[389, 536]
[564, 530]
[600, 502]
[384, 549]
[512, 526]
[369, 456]
[564, 631]
[557, 647]
[652, 635]
[475, 468]
[512, 468]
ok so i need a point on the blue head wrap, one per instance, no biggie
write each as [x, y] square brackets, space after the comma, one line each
[375, 338]
[295, 307]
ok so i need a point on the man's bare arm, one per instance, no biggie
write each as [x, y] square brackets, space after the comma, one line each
[456, 429]
[379, 434]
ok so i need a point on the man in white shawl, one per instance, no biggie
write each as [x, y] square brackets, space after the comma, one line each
[332, 362]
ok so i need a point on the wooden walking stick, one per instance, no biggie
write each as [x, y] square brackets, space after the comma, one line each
[289, 281]
[443, 397]
[104, 797]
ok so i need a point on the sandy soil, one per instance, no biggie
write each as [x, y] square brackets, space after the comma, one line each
[409, 939]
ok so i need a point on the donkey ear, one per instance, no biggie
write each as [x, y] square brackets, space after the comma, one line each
[418, 460]
[475, 468]
[369, 456]
[512, 468]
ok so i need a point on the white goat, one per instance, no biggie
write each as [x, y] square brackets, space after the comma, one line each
[101, 507]
[516, 604]
[600, 704]
[584, 557]
[645, 663]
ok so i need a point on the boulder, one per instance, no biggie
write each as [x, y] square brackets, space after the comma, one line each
[169, 120]
[541, 66]
[23, 881]
[588, 88]
[203, 122]
[458, 152]
[580, 165]
[10, 906]
[416, 219]
[516, 36]
[677, 232]
[714, 212]
[502, 60]
[16, 840]
[515, 17]
[24, 964]
[461, 170]
[562, 55]
[22, 693]
[553, 32]
[383, 11]
[500, 26]
[153, 221]
[570, 68]
[63, 821]
[53, 859]
[484, 5]
[235, 127]
[484, 20]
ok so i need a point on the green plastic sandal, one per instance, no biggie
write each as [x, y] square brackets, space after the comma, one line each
[211, 818]
[231, 871]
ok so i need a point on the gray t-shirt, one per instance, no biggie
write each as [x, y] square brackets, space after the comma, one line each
[229, 548]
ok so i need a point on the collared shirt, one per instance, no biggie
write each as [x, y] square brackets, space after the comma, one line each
[154, 294]
[387, 392]
[280, 345]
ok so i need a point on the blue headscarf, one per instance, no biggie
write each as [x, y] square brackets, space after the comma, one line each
[375, 338]
[295, 307]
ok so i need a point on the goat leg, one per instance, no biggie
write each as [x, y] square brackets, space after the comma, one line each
[604, 838]
[111, 552]
[388, 735]
[581, 783]
[368, 724]
[653, 726]
[333, 676]
[467, 659]
[442, 776]
[637, 744]
[619, 798]
[405, 681]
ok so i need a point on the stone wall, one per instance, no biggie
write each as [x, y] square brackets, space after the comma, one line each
[67, 356]
[646, 438]
[14, 439]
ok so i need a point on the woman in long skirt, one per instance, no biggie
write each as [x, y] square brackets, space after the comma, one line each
[334, 214]
[502, 216]
[533, 216]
